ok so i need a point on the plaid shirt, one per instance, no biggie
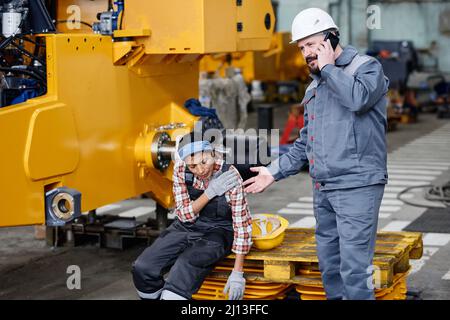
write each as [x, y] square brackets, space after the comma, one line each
[242, 221]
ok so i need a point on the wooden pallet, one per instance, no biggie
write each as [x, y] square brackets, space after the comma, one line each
[295, 260]
[396, 292]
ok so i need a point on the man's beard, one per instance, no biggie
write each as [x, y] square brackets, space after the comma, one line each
[314, 70]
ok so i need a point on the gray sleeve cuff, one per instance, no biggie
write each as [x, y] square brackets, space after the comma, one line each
[327, 70]
[275, 171]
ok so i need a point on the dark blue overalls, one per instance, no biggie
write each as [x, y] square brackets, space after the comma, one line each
[189, 250]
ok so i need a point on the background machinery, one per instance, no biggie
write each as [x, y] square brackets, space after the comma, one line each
[92, 96]
[278, 73]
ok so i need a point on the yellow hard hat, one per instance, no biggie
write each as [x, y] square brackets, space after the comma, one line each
[268, 231]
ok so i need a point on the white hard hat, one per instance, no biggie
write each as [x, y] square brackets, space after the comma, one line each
[309, 22]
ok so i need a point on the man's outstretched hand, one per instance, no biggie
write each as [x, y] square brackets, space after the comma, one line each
[259, 183]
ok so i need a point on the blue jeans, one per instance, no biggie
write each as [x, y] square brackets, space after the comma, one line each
[346, 230]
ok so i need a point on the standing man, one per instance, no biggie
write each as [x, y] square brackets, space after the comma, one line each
[344, 143]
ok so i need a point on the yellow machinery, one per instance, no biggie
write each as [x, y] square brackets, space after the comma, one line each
[281, 62]
[104, 130]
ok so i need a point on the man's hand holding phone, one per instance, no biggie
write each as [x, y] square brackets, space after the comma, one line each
[325, 54]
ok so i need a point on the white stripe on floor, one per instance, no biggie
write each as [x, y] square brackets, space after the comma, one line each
[439, 153]
[436, 239]
[396, 225]
[407, 183]
[305, 212]
[443, 139]
[413, 163]
[416, 167]
[394, 196]
[446, 276]
[392, 202]
[419, 162]
[415, 172]
[388, 189]
[136, 212]
[384, 215]
[298, 205]
[306, 199]
[308, 222]
[423, 150]
[411, 177]
[389, 208]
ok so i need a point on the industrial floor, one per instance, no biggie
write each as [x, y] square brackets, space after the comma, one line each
[418, 154]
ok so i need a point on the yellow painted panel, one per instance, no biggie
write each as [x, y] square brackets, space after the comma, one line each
[52, 144]
[199, 26]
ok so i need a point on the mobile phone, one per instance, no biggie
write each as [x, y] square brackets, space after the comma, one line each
[333, 39]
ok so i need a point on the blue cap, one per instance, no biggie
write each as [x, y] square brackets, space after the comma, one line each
[194, 147]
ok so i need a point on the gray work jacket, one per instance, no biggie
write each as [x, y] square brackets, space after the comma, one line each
[344, 137]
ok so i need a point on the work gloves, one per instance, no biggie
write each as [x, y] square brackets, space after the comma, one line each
[221, 183]
[235, 286]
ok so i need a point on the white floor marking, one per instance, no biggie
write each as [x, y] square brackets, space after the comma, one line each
[298, 205]
[414, 172]
[136, 212]
[436, 239]
[416, 167]
[389, 208]
[308, 222]
[412, 163]
[394, 196]
[396, 225]
[415, 162]
[389, 189]
[306, 199]
[446, 276]
[411, 177]
[407, 183]
[428, 252]
[296, 211]
[391, 202]
[384, 215]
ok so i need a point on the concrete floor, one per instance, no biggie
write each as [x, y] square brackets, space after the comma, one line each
[31, 270]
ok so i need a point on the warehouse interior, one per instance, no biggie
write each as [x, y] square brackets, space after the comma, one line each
[95, 95]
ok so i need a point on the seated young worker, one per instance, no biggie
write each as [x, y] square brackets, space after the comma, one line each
[212, 220]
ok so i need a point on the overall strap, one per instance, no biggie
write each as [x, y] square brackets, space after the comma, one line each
[189, 178]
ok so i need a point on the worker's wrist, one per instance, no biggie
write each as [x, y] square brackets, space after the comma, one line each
[274, 170]
[210, 194]
[326, 70]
